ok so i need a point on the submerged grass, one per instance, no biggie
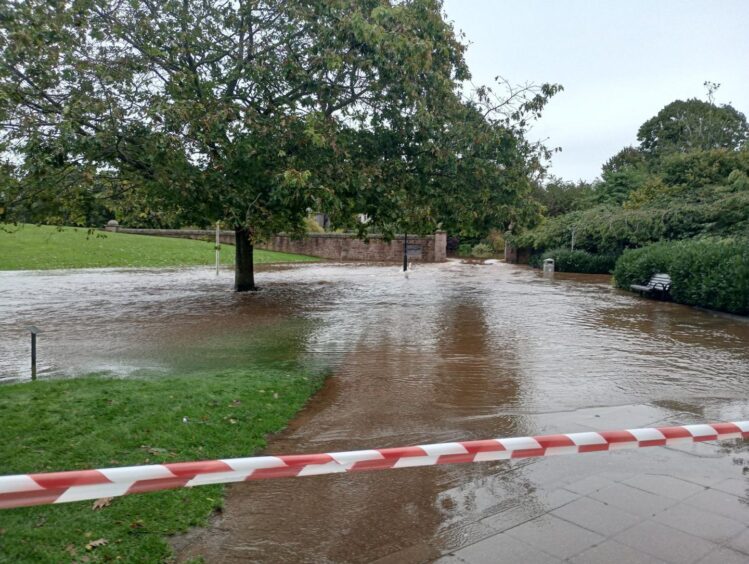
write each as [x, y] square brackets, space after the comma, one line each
[95, 422]
[32, 247]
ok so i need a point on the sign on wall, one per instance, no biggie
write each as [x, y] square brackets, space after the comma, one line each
[413, 251]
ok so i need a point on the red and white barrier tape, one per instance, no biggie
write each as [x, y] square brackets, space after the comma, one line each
[61, 487]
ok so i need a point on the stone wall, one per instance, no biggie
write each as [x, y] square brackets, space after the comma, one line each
[335, 246]
[226, 237]
[343, 246]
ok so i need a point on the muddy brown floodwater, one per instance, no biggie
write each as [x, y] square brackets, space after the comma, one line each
[453, 352]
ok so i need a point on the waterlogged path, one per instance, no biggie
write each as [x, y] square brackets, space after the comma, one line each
[454, 351]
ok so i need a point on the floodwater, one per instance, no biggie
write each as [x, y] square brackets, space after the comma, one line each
[452, 352]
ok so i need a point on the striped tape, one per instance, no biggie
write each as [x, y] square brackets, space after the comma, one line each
[62, 487]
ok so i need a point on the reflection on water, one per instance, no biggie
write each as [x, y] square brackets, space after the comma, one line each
[455, 351]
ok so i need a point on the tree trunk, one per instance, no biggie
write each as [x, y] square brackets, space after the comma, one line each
[244, 272]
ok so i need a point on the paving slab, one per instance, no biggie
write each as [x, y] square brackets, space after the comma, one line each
[501, 549]
[596, 516]
[519, 514]
[722, 503]
[740, 542]
[668, 486]
[589, 484]
[615, 553]
[698, 522]
[665, 543]
[555, 536]
[633, 500]
[724, 556]
[734, 486]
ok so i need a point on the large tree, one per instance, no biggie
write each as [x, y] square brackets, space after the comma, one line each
[252, 112]
[221, 110]
[693, 125]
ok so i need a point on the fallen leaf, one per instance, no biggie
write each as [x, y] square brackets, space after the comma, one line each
[70, 549]
[101, 502]
[96, 544]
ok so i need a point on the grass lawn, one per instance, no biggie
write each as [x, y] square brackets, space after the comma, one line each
[31, 247]
[96, 422]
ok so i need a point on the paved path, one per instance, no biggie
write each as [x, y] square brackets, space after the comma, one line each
[697, 514]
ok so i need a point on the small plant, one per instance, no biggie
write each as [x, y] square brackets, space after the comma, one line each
[311, 226]
[464, 250]
[496, 240]
[481, 250]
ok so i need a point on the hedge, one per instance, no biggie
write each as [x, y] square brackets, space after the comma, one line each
[718, 212]
[576, 261]
[711, 273]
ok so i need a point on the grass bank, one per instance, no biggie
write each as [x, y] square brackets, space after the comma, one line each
[102, 422]
[31, 247]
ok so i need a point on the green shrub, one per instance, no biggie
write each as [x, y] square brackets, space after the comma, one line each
[481, 250]
[712, 273]
[576, 261]
[311, 225]
[464, 250]
[496, 240]
[712, 212]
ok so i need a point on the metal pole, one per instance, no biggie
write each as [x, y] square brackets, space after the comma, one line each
[33, 355]
[405, 252]
[218, 245]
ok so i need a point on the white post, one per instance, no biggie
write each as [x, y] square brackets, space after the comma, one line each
[218, 245]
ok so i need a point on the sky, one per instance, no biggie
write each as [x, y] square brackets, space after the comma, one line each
[620, 62]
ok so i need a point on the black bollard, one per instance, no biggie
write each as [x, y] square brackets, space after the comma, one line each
[34, 331]
[405, 252]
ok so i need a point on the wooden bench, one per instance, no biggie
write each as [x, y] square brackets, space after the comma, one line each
[660, 285]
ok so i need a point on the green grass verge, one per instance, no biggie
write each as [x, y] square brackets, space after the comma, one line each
[32, 247]
[96, 422]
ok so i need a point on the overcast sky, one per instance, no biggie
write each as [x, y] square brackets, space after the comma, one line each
[620, 62]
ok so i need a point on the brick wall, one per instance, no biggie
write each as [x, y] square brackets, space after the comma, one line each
[335, 246]
[343, 246]
[226, 237]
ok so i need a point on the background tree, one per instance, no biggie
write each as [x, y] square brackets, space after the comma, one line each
[691, 125]
[559, 196]
[628, 157]
[460, 164]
